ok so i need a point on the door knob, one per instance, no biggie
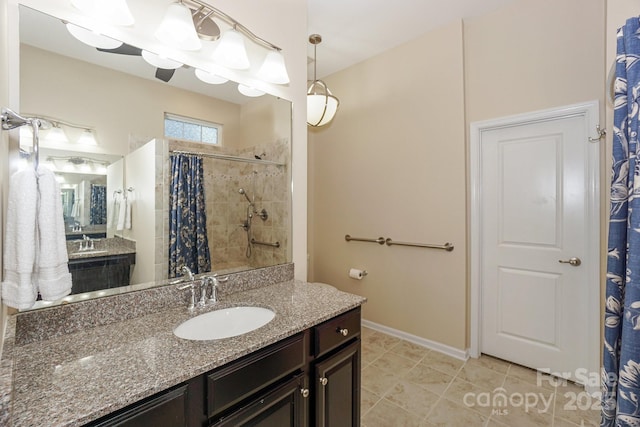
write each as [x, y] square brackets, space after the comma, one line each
[575, 261]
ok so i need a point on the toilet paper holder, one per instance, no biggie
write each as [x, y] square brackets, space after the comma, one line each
[357, 274]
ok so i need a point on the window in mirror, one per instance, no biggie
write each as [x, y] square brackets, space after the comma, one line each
[193, 130]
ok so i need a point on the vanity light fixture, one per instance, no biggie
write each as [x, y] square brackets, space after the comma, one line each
[249, 91]
[114, 12]
[177, 29]
[92, 38]
[321, 104]
[210, 78]
[87, 138]
[56, 134]
[53, 130]
[231, 52]
[273, 69]
[160, 61]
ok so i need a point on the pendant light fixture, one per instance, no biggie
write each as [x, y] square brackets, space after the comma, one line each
[321, 104]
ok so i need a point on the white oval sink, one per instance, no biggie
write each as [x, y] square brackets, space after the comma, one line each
[224, 323]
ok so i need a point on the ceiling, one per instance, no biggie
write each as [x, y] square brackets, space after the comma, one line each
[354, 30]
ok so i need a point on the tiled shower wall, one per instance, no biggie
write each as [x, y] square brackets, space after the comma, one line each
[227, 208]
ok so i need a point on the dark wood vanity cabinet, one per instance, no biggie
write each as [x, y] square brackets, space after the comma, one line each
[336, 371]
[309, 379]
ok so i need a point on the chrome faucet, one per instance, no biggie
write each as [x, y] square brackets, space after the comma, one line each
[191, 285]
[186, 271]
[214, 281]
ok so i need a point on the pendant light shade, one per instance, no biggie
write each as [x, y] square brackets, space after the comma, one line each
[321, 104]
[273, 69]
[115, 12]
[92, 39]
[177, 29]
[231, 52]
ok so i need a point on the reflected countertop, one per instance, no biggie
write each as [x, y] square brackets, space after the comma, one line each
[101, 248]
[76, 378]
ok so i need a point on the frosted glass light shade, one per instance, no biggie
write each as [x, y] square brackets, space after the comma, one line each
[321, 104]
[57, 134]
[92, 39]
[273, 69]
[210, 78]
[87, 138]
[115, 12]
[249, 91]
[159, 61]
[231, 52]
[177, 29]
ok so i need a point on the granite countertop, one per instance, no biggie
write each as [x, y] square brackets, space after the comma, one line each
[103, 248]
[72, 379]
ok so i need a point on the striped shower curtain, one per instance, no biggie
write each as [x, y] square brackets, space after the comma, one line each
[621, 355]
[188, 242]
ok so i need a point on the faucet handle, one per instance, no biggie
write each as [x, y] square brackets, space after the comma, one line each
[192, 293]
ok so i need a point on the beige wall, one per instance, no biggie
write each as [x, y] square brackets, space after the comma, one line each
[393, 162]
[121, 107]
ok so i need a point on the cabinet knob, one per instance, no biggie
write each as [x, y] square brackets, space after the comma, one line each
[304, 392]
[343, 331]
[324, 381]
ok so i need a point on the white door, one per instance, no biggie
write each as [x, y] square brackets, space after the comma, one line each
[535, 257]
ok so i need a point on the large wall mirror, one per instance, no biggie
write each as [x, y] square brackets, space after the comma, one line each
[118, 169]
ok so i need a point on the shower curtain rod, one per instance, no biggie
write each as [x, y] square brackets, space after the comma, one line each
[227, 157]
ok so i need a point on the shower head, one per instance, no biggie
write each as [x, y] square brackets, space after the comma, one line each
[244, 193]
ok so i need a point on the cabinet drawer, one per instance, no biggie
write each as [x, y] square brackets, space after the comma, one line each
[335, 332]
[167, 409]
[239, 380]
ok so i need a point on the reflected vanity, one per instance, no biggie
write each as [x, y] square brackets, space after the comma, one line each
[121, 101]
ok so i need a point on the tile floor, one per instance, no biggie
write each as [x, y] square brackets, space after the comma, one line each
[404, 384]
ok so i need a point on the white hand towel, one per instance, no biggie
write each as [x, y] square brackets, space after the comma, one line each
[52, 277]
[121, 214]
[18, 289]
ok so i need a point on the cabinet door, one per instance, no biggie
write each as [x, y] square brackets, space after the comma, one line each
[285, 406]
[337, 388]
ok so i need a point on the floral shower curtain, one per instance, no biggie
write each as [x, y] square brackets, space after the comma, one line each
[621, 360]
[98, 205]
[188, 242]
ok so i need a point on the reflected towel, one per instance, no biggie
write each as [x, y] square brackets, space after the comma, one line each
[18, 289]
[121, 214]
[112, 220]
[52, 277]
[127, 214]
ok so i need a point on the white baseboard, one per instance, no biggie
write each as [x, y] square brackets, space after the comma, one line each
[432, 345]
